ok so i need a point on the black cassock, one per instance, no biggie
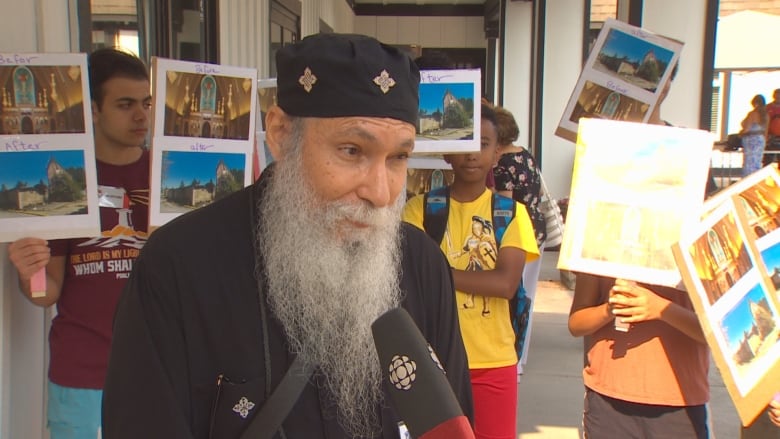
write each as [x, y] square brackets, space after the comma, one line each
[190, 313]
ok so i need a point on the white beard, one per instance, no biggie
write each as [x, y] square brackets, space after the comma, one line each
[326, 285]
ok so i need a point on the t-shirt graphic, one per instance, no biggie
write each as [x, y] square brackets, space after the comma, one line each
[481, 250]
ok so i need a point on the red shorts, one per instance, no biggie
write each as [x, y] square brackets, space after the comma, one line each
[494, 392]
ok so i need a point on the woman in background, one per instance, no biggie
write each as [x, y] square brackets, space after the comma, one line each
[754, 131]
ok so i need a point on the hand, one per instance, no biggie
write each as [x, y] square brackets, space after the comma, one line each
[774, 411]
[633, 303]
[29, 255]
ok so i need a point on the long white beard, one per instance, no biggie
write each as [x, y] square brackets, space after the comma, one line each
[327, 285]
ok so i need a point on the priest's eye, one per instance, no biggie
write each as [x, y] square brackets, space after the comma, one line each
[350, 150]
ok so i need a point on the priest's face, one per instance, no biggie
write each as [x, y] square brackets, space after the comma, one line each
[359, 163]
[330, 237]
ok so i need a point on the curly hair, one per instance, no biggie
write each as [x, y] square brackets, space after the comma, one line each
[506, 127]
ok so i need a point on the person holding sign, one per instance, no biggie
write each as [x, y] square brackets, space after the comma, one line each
[647, 359]
[85, 276]
[648, 379]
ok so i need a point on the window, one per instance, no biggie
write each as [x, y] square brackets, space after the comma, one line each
[285, 27]
[178, 29]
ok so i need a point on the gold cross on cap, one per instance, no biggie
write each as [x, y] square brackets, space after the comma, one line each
[384, 81]
[307, 80]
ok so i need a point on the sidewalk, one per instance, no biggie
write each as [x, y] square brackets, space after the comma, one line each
[550, 392]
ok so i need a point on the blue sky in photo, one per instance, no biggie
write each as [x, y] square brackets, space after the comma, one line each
[432, 95]
[739, 319]
[30, 166]
[185, 166]
[620, 43]
[771, 257]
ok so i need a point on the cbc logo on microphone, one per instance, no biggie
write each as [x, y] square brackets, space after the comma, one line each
[402, 372]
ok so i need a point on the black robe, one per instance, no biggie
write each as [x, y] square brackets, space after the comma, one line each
[191, 312]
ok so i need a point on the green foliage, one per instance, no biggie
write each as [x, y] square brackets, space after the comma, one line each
[64, 188]
[78, 175]
[455, 117]
[649, 70]
[232, 182]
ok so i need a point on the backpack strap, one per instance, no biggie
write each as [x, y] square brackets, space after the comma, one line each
[436, 209]
[503, 209]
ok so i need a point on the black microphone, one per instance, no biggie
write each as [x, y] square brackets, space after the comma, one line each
[417, 383]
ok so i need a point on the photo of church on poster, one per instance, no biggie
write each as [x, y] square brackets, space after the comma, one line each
[48, 177]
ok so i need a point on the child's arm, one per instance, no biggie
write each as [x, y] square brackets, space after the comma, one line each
[499, 282]
[589, 309]
[638, 304]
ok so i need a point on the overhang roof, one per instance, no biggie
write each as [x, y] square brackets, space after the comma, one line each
[745, 40]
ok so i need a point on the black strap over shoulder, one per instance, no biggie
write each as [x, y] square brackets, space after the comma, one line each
[267, 421]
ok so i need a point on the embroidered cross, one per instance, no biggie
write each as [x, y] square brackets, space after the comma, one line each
[384, 81]
[243, 407]
[307, 80]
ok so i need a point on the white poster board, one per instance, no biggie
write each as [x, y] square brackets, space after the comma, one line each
[449, 112]
[203, 135]
[48, 177]
[735, 302]
[634, 186]
[623, 77]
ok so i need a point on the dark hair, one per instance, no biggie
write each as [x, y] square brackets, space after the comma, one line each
[759, 103]
[489, 115]
[434, 60]
[109, 63]
[506, 128]
[674, 71]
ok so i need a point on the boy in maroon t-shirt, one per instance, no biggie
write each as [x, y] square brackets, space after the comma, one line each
[85, 276]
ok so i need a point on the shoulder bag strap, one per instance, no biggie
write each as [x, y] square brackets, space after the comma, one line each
[267, 421]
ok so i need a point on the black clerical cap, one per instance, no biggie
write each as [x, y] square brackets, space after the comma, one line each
[338, 75]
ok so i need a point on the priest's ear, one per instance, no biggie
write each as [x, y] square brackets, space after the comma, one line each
[278, 128]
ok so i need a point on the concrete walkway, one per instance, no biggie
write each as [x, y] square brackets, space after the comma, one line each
[550, 392]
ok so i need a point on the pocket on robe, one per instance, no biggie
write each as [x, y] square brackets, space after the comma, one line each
[235, 403]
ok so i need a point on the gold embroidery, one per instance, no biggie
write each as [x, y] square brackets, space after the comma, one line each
[307, 80]
[384, 81]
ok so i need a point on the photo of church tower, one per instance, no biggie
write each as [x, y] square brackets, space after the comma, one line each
[42, 183]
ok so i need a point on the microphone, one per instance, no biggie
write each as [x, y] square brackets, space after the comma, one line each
[418, 386]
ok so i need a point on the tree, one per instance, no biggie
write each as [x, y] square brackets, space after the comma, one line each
[649, 70]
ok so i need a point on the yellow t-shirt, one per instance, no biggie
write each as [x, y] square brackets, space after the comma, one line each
[469, 244]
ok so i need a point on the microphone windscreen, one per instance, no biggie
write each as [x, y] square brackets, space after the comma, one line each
[417, 384]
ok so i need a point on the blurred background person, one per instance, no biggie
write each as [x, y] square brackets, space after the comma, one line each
[753, 134]
[773, 132]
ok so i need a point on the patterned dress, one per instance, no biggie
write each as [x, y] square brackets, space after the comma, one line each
[517, 172]
[753, 144]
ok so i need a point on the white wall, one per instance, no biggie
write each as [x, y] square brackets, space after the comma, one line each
[337, 14]
[440, 32]
[517, 65]
[562, 66]
[686, 24]
[243, 34]
[27, 26]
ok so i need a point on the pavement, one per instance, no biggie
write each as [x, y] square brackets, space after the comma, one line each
[550, 391]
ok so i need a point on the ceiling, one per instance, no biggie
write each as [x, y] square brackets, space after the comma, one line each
[429, 8]
[421, 2]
